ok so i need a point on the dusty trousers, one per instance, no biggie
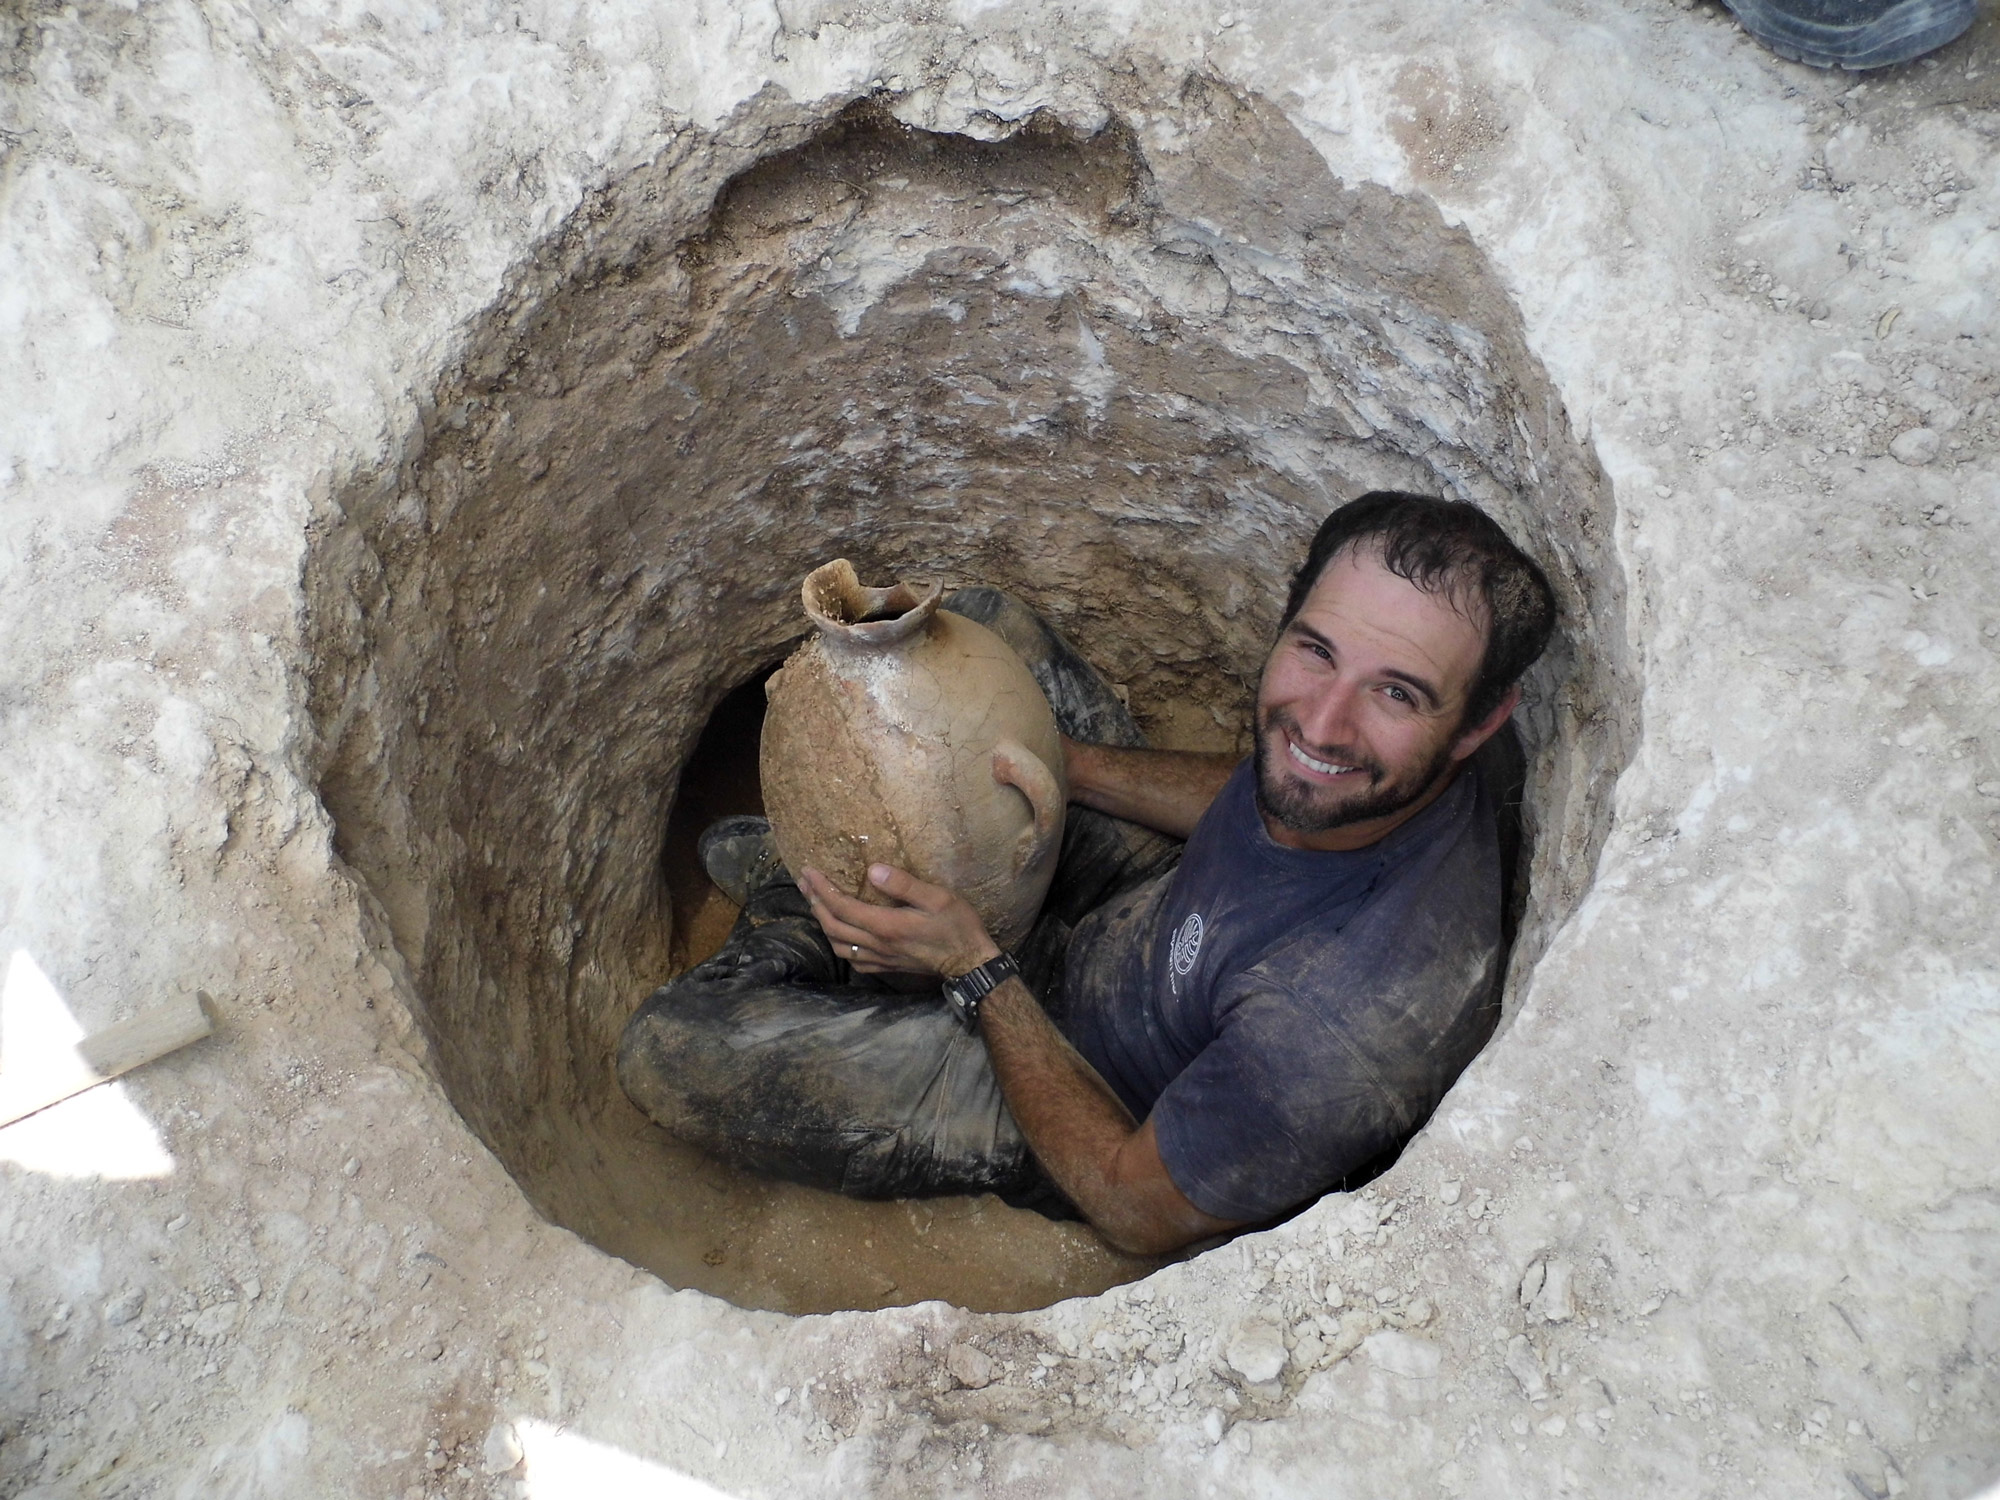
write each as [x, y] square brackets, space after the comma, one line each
[778, 1057]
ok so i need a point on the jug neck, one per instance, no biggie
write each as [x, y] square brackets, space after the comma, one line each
[850, 614]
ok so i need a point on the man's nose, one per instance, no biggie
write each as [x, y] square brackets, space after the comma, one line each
[1327, 719]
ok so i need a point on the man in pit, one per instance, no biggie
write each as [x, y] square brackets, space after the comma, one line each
[1252, 979]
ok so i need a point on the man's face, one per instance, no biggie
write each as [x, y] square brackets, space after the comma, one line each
[1359, 714]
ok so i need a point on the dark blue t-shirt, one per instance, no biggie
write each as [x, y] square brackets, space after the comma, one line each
[1284, 1016]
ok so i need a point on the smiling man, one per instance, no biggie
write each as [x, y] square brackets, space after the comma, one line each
[1193, 1039]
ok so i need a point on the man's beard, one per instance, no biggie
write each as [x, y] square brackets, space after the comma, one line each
[1304, 808]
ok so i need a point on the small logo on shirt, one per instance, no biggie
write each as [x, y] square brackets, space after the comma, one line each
[1186, 945]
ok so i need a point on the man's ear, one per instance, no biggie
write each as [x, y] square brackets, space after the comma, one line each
[1471, 739]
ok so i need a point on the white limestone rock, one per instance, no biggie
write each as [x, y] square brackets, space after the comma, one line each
[1916, 447]
[1256, 1351]
[970, 1367]
[1524, 1363]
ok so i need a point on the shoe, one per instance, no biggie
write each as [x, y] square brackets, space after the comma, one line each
[1853, 34]
[739, 856]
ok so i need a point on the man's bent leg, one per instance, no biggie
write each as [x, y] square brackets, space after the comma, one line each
[772, 1056]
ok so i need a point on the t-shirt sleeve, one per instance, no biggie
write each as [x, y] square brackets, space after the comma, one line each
[1274, 1111]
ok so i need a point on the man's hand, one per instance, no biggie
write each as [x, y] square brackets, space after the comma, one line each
[932, 931]
[1109, 1166]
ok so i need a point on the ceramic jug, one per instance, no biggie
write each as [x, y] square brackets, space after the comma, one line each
[906, 735]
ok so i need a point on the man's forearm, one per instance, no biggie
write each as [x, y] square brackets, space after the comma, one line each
[1080, 1132]
[1077, 1127]
[1167, 790]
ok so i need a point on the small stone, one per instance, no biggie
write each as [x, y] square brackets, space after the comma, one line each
[349, 1167]
[969, 1366]
[1448, 1193]
[1525, 1365]
[252, 1289]
[501, 1453]
[1531, 1282]
[1401, 1354]
[1353, 1214]
[1556, 1426]
[1308, 1349]
[1916, 447]
[434, 1350]
[216, 1322]
[1553, 1301]
[1256, 1351]
[177, 1223]
[435, 1461]
[1212, 1425]
[122, 1310]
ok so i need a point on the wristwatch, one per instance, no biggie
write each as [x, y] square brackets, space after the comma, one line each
[971, 988]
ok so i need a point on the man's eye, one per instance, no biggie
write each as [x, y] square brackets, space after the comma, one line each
[1399, 695]
[1318, 650]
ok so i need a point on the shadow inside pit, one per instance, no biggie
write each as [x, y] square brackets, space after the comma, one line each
[719, 781]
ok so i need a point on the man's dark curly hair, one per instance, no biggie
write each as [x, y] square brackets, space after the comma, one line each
[1453, 548]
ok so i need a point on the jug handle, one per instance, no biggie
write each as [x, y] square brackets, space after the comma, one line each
[1015, 765]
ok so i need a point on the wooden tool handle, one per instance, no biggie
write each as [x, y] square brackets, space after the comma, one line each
[99, 1058]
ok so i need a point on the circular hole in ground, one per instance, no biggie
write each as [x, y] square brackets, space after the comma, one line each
[1122, 372]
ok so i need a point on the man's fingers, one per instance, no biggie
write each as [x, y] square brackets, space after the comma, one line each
[854, 924]
[902, 886]
[839, 929]
[886, 921]
[826, 898]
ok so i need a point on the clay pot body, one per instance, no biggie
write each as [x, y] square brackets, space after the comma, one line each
[906, 735]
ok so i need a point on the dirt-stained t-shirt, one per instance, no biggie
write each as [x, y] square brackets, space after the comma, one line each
[1284, 1016]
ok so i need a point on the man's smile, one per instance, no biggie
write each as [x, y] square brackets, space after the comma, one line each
[1315, 765]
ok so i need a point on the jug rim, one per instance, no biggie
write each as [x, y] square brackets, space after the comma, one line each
[849, 612]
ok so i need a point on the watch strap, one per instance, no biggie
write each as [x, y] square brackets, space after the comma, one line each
[970, 989]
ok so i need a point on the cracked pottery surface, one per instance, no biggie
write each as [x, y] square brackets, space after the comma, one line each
[905, 734]
[304, 591]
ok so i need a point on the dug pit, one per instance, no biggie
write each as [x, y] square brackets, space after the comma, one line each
[1121, 368]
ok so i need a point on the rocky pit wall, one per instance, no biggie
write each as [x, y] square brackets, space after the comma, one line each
[327, 334]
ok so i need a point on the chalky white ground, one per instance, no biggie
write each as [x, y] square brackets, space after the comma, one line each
[1715, 1215]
